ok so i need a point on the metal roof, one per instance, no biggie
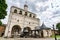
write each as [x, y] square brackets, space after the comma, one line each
[43, 26]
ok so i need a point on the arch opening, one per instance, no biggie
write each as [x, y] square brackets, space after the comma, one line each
[15, 31]
[15, 11]
[27, 29]
[26, 32]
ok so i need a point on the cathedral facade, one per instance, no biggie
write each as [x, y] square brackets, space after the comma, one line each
[19, 20]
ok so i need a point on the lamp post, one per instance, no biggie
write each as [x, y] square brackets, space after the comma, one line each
[54, 33]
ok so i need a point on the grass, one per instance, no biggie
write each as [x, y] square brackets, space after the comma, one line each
[58, 36]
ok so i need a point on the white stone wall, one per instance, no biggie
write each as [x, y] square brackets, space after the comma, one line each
[50, 33]
[24, 21]
[44, 33]
[47, 33]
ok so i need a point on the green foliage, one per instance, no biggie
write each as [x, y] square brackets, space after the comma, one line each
[58, 26]
[53, 36]
[0, 23]
[3, 7]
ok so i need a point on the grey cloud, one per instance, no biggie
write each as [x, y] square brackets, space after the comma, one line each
[21, 1]
[42, 0]
[42, 9]
[32, 6]
[56, 12]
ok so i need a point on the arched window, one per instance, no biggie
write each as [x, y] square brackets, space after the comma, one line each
[33, 16]
[17, 20]
[30, 15]
[20, 12]
[25, 13]
[15, 11]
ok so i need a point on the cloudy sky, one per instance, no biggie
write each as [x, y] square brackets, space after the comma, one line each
[47, 10]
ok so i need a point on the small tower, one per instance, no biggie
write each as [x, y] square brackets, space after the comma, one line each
[25, 6]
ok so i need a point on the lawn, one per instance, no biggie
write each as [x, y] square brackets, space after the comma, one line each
[58, 36]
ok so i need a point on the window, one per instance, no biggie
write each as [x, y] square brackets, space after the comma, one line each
[25, 13]
[15, 11]
[29, 22]
[20, 12]
[30, 15]
[33, 16]
[17, 20]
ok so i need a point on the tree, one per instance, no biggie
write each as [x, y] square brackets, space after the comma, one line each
[58, 27]
[0, 23]
[3, 7]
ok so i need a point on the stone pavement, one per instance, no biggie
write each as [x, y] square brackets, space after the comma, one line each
[26, 38]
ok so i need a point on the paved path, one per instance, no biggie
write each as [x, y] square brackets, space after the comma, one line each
[26, 38]
[1, 38]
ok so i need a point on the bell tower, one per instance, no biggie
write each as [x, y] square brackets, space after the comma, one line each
[25, 6]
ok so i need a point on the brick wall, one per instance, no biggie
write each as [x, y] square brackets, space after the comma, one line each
[2, 29]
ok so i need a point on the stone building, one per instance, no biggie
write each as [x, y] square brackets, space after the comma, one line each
[19, 20]
[42, 31]
[45, 31]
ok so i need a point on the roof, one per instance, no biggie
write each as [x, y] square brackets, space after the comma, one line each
[44, 27]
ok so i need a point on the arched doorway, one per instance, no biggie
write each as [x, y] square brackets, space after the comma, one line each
[26, 31]
[42, 33]
[15, 31]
